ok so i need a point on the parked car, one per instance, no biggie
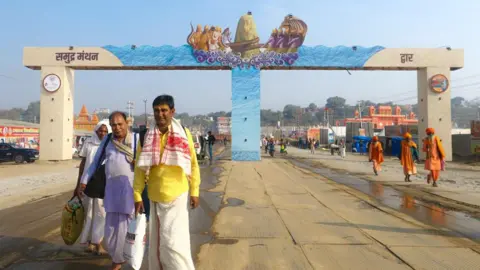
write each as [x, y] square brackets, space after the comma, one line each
[19, 155]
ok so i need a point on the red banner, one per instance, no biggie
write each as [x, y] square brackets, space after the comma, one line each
[16, 131]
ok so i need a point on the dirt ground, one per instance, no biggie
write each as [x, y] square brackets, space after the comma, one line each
[21, 183]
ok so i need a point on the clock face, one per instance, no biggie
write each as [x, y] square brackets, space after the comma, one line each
[51, 83]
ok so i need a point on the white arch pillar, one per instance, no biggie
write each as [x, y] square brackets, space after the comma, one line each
[56, 115]
[434, 109]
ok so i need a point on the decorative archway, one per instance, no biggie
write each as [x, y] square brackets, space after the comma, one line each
[210, 48]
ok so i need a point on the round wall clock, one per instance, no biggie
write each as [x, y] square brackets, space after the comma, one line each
[51, 83]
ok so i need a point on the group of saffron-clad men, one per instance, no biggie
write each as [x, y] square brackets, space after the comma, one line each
[159, 172]
[432, 146]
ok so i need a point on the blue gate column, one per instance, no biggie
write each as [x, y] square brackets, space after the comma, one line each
[246, 114]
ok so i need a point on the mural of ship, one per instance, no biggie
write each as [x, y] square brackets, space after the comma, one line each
[286, 39]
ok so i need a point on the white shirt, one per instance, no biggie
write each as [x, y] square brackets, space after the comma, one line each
[88, 151]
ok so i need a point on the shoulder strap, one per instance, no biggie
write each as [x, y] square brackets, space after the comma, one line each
[109, 137]
[134, 146]
[142, 136]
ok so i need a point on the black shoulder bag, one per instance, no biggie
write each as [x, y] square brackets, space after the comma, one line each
[96, 186]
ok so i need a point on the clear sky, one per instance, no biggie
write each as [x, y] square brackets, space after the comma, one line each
[406, 23]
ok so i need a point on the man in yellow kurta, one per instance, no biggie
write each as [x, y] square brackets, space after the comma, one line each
[376, 154]
[169, 157]
[408, 154]
[435, 158]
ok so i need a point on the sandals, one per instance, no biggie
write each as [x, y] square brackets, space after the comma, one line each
[100, 251]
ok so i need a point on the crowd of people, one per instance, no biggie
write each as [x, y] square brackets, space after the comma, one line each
[165, 158]
[409, 157]
[409, 154]
[268, 143]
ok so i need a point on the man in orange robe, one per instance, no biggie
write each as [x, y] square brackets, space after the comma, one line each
[435, 159]
[376, 154]
[408, 154]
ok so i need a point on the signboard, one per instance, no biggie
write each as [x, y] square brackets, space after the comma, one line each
[439, 83]
[51, 83]
[475, 139]
[475, 146]
[69, 57]
[475, 128]
[15, 131]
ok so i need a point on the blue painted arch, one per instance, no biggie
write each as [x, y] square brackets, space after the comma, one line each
[245, 81]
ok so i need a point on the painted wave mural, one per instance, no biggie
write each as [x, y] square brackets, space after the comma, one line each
[209, 45]
[317, 56]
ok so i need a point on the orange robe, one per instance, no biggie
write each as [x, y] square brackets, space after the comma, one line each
[376, 155]
[406, 157]
[433, 147]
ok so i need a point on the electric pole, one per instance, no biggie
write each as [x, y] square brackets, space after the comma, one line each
[130, 107]
[146, 119]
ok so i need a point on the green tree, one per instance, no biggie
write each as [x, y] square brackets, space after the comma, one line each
[458, 102]
[291, 112]
[312, 107]
[32, 114]
[12, 114]
[335, 102]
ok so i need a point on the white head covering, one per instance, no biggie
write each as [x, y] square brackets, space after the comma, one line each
[95, 140]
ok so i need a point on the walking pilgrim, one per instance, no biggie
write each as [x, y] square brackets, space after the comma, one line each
[118, 200]
[375, 151]
[93, 228]
[435, 159]
[168, 155]
[408, 156]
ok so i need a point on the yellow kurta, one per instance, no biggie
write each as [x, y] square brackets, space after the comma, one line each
[166, 183]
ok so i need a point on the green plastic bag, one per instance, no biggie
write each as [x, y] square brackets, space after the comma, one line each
[72, 220]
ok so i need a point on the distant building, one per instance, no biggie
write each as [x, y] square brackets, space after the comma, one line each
[384, 117]
[224, 125]
[85, 121]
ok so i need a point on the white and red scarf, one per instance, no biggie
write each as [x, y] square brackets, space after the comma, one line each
[175, 153]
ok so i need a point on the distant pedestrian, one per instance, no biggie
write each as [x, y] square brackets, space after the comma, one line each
[93, 228]
[312, 146]
[343, 148]
[376, 154]
[265, 144]
[408, 156]
[211, 141]
[435, 159]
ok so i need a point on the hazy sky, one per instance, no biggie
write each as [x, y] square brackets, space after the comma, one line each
[406, 23]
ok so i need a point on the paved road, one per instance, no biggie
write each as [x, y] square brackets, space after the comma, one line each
[286, 217]
[264, 215]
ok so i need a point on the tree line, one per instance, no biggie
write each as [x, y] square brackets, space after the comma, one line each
[335, 108]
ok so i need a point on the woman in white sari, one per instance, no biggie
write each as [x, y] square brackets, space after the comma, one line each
[93, 229]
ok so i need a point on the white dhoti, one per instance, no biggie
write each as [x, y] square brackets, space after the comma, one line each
[169, 237]
[94, 226]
